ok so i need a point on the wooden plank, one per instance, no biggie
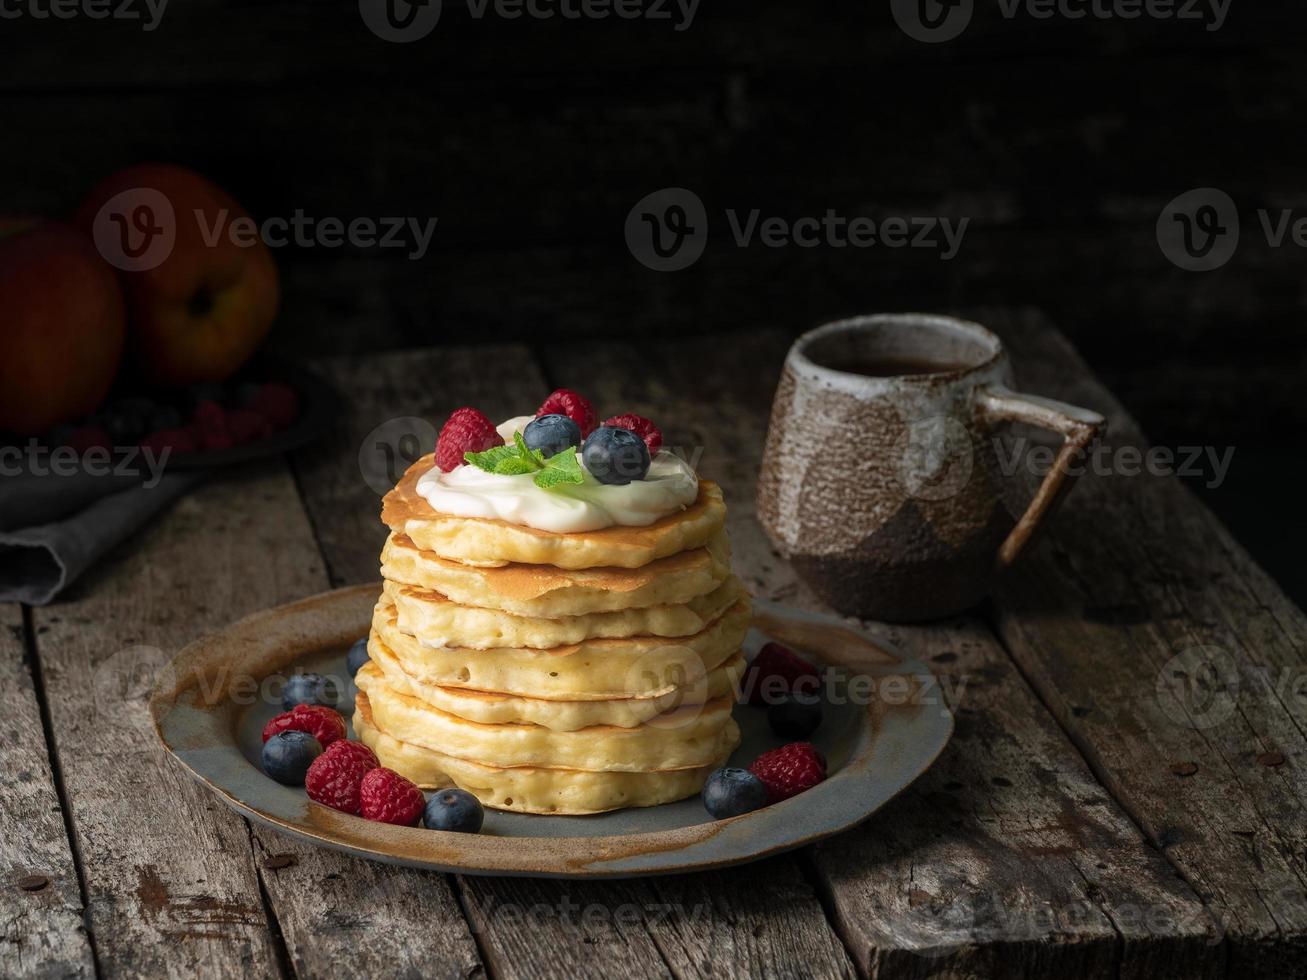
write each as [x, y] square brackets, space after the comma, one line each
[40, 897]
[1175, 665]
[764, 921]
[260, 44]
[1007, 858]
[174, 878]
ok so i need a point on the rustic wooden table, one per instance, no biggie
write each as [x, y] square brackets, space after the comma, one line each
[1079, 824]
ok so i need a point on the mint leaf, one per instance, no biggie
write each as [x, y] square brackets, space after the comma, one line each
[491, 458]
[561, 468]
[515, 465]
[515, 460]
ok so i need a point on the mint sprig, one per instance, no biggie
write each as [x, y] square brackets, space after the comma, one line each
[515, 460]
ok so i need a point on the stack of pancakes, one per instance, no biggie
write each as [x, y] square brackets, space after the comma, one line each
[554, 673]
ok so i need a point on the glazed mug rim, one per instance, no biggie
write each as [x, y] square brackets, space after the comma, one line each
[799, 358]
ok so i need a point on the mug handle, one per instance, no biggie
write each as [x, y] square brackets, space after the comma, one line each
[1078, 428]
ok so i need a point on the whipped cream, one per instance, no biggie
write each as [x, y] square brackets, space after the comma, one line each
[670, 485]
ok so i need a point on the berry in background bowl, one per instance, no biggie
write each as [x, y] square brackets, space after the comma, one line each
[357, 657]
[288, 755]
[731, 792]
[324, 724]
[454, 810]
[310, 689]
[335, 778]
[387, 797]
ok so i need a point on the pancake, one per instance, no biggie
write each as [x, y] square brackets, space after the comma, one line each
[436, 621]
[593, 670]
[688, 737]
[543, 590]
[481, 541]
[562, 716]
[527, 789]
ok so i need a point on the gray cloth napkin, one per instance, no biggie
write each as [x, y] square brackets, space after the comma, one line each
[53, 528]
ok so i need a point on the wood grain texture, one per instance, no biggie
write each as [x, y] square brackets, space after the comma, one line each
[1007, 858]
[762, 922]
[1176, 666]
[174, 878]
[41, 928]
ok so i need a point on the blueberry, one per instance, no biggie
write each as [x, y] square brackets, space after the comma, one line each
[165, 417]
[615, 456]
[60, 435]
[357, 656]
[207, 391]
[310, 689]
[551, 434]
[794, 717]
[730, 792]
[288, 755]
[453, 809]
[245, 394]
[127, 419]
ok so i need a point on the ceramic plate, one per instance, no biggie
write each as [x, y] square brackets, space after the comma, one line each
[885, 723]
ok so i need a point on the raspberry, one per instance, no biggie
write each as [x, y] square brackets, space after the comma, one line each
[790, 770]
[388, 797]
[777, 671]
[642, 427]
[322, 723]
[247, 425]
[335, 776]
[211, 424]
[567, 402]
[467, 431]
[277, 403]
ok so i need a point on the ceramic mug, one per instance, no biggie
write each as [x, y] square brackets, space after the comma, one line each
[881, 479]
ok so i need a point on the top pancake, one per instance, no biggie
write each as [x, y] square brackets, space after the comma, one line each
[488, 542]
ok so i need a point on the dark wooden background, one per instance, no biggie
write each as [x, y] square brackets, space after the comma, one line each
[530, 140]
